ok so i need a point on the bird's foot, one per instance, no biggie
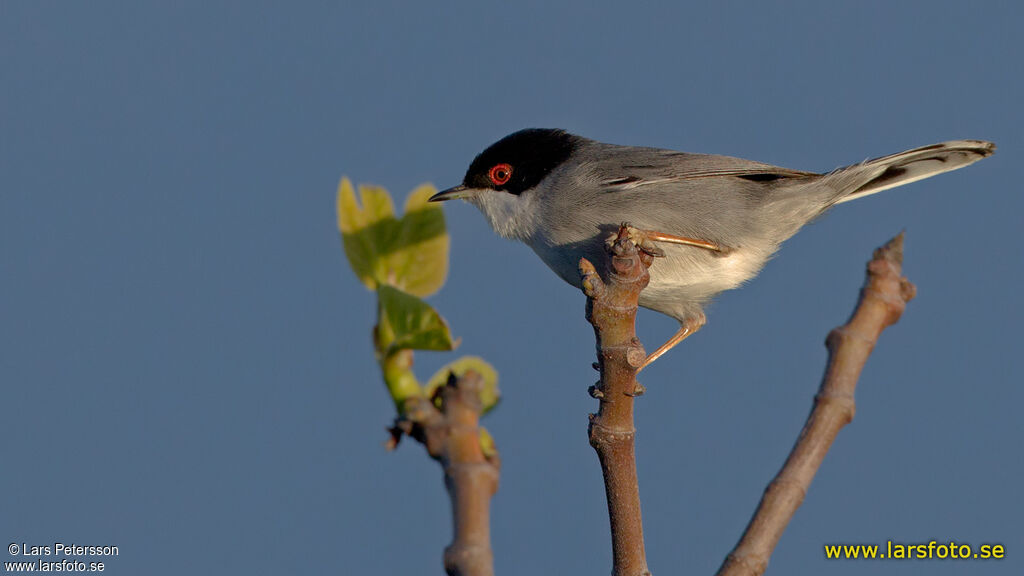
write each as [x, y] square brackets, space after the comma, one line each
[688, 327]
[638, 237]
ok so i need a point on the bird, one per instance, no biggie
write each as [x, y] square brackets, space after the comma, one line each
[717, 219]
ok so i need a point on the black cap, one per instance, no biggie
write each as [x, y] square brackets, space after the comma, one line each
[530, 154]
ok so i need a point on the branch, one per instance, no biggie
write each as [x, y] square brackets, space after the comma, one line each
[882, 300]
[452, 436]
[611, 308]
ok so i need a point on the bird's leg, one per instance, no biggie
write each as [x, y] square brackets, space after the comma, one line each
[646, 239]
[673, 239]
[689, 326]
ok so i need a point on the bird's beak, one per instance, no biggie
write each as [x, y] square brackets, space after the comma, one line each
[459, 191]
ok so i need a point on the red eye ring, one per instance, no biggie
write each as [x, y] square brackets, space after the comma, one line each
[500, 174]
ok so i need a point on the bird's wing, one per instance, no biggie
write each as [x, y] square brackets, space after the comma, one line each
[645, 166]
[700, 200]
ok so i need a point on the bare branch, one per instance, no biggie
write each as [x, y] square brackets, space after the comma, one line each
[611, 308]
[882, 300]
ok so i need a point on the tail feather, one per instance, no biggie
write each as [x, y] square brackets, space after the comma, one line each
[894, 170]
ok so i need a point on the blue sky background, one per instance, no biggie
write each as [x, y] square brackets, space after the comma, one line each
[185, 362]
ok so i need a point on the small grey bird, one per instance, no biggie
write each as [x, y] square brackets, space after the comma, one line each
[719, 218]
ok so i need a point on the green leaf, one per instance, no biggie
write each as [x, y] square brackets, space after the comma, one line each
[419, 259]
[410, 254]
[406, 322]
[364, 230]
[489, 396]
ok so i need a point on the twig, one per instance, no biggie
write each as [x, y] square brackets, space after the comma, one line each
[451, 436]
[611, 308]
[882, 300]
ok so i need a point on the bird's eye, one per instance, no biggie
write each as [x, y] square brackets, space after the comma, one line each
[500, 174]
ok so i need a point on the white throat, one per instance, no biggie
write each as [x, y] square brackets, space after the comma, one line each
[509, 215]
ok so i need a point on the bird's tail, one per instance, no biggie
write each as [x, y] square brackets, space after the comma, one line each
[894, 170]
